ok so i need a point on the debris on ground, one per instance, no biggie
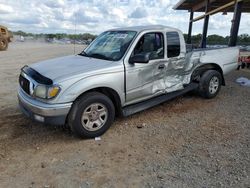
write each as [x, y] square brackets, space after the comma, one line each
[243, 81]
[141, 125]
[97, 138]
[180, 144]
[43, 165]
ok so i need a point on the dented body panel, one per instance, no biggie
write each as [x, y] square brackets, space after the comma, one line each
[133, 82]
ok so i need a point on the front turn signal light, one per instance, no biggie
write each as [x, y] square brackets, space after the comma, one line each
[53, 91]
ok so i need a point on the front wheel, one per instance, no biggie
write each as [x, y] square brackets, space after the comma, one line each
[210, 84]
[91, 115]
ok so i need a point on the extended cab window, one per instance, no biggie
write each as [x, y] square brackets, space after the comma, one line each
[152, 43]
[173, 44]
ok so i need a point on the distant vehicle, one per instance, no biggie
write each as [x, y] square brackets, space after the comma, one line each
[248, 49]
[123, 71]
[50, 40]
[58, 41]
[20, 39]
[245, 48]
[244, 61]
[5, 37]
[86, 42]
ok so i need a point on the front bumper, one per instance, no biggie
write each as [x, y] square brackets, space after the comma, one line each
[54, 114]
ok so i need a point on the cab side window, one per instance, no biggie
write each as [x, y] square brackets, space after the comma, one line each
[152, 43]
[173, 44]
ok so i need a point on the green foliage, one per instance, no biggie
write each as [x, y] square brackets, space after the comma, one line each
[82, 36]
[216, 39]
[22, 33]
[243, 39]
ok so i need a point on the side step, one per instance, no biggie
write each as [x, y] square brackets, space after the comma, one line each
[134, 108]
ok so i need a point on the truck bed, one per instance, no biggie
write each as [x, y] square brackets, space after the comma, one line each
[226, 57]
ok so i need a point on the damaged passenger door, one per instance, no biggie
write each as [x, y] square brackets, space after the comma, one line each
[145, 80]
[176, 62]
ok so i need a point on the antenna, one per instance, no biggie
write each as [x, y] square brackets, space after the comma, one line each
[75, 34]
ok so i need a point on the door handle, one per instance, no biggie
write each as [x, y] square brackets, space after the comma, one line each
[162, 66]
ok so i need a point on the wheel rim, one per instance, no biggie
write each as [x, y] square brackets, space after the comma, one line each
[214, 85]
[94, 116]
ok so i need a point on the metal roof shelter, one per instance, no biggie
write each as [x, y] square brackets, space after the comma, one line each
[210, 7]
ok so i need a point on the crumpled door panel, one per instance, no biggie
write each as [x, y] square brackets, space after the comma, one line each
[139, 81]
[178, 73]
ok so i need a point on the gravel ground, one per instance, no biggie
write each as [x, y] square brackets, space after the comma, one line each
[187, 142]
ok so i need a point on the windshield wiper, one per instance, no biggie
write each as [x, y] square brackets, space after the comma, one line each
[100, 56]
[83, 54]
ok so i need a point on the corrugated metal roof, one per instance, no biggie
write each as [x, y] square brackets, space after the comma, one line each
[144, 28]
[199, 5]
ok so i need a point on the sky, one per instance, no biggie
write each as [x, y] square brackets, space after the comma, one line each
[96, 16]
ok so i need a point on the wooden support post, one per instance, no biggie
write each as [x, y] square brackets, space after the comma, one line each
[190, 27]
[235, 23]
[205, 27]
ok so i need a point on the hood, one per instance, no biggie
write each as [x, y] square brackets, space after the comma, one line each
[69, 65]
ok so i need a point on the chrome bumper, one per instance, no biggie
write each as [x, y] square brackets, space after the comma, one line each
[47, 113]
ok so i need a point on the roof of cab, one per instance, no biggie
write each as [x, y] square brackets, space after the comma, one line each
[144, 28]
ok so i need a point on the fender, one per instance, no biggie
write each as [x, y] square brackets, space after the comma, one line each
[114, 81]
[201, 68]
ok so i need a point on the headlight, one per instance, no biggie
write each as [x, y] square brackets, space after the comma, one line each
[41, 91]
[46, 92]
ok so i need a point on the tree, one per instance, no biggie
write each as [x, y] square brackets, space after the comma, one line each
[243, 39]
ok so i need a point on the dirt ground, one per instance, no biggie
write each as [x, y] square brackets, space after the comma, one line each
[188, 142]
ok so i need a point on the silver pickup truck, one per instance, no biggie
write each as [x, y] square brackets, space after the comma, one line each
[123, 71]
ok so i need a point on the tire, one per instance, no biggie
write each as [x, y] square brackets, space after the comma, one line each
[210, 84]
[91, 115]
[243, 65]
[3, 44]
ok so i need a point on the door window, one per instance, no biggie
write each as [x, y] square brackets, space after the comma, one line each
[173, 44]
[152, 43]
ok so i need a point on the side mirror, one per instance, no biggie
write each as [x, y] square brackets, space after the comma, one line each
[140, 58]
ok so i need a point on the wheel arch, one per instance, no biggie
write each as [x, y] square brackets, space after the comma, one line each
[200, 70]
[110, 93]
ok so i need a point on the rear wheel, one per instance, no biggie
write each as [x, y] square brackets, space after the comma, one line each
[91, 115]
[3, 44]
[210, 84]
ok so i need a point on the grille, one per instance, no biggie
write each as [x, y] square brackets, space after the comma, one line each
[25, 84]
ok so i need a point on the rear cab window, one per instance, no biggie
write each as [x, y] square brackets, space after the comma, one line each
[173, 44]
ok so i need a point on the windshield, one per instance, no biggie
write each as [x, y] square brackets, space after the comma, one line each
[110, 45]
